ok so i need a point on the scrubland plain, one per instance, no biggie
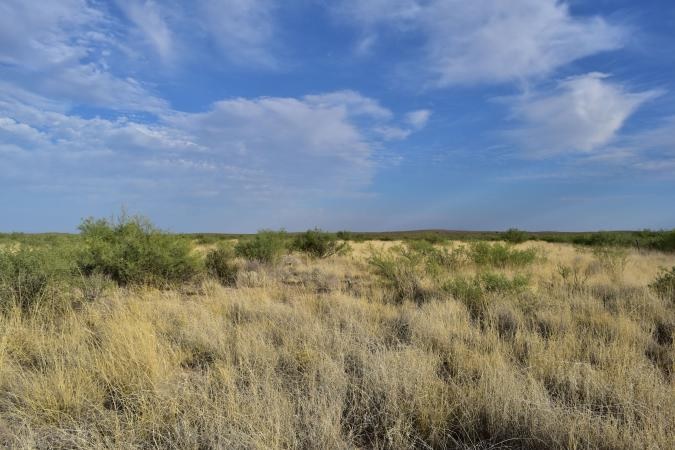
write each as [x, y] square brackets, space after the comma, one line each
[382, 345]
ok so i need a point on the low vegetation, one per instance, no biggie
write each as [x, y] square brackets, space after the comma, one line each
[664, 284]
[130, 250]
[33, 278]
[265, 247]
[515, 236]
[130, 337]
[221, 265]
[319, 244]
[500, 255]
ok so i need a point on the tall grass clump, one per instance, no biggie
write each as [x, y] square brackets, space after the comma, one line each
[318, 243]
[266, 247]
[131, 251]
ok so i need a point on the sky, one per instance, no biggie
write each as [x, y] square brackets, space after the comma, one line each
[239, 115]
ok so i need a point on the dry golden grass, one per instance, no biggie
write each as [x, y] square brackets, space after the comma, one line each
[311, 354]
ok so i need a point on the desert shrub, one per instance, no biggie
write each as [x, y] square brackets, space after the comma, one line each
[436, 260]
[612, 259]
[604, 239]
[31, 278]
[500, 255]
[500, 283]
[345, 235]
[515, 236]
[220, 264]
[402, 275]
[446, 259]
[664, 284]
[421, 246]
[598, 239]
[574, 277]
[431, 238]
[131, 250]
[265, 247]
[665, 241]
[473, 291]
[318, 243]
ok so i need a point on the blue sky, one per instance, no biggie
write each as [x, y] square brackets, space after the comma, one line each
[236, 115]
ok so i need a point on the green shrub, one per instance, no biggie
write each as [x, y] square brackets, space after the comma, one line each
[500, 255]
[665, 241]
[431, 238]
[515, 236]
[266, 246]
[612, 259]
[436, 259]
[604, 239]
[318, 243]
[132, 251]
[501, 284]
[31, 278]
[345, 235]
[220, 265]
[664, 284]
[421, 246]
[402, 275]
[473, 291]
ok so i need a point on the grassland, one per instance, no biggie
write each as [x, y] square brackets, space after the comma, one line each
[384, 345]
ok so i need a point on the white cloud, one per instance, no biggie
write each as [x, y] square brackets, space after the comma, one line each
[90, 84]
[582, 114]
[375, 12]
[147, 17]
[418, 119]
[493, 41]
[243, 29]
[33, 35]
[274, 136]
[59, 50]
[244, 32]
[413, 121]
[353, 103]
[254, 148]
[392, 133]
[365, 45]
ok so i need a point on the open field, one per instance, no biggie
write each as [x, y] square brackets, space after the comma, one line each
[382, 345]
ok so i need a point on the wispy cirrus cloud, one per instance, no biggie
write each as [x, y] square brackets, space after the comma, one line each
[244, 30]
[488, 41]
[80, 53]
[61, 50]
[151, 24]
[582, 114]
